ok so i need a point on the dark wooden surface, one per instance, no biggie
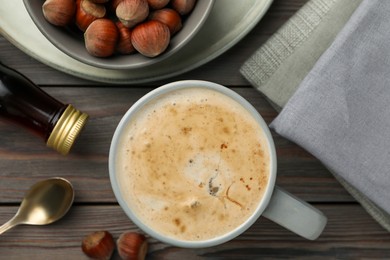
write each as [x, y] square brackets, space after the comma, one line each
[350, 234]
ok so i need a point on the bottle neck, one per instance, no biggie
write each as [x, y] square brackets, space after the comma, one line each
[22, 102]
[66, 130]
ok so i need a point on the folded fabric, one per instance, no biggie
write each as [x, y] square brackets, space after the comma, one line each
[278, 67]
[341, 113]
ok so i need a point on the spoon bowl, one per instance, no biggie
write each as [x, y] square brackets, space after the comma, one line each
[46, 202]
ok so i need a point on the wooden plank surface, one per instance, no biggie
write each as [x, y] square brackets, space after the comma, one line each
[350, 234]
[24, 158]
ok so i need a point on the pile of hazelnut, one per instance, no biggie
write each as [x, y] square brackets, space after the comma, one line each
[101, 245]
[121, 26]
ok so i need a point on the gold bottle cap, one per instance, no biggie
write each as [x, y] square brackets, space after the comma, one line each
[66, 130]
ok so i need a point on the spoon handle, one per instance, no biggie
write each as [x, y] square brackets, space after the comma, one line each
[8, 225]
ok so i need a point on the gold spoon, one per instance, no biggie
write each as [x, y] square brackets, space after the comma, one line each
[45, 202]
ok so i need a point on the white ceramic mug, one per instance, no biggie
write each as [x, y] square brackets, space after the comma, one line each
[276, 204]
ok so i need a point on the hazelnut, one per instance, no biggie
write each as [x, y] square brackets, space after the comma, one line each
[87, 12]
[150, 38]
[59, 12]
[183, 7]
[101, 37]
[132, 246]
[132, 12]
[157, 4]
[98, 245]
[100, 1]
[124, 45]
[169, 17]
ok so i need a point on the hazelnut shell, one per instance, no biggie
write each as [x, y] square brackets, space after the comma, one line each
[99, 1]
[98, 245]
[183, 7]
[132, 12]
[157, 4]
[59, 12]
[150, 38]
[87, 12]
[132, 246]
[124, 45]
[101, 38]
[169, 17]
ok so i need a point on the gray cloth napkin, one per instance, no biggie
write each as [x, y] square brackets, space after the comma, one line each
[280, 65]
[341, 112]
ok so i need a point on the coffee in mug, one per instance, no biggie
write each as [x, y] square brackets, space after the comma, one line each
[193, 164]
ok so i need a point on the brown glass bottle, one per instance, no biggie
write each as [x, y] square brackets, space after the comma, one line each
[23, 102]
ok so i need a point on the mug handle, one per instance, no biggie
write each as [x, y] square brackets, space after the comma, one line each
[295, 214]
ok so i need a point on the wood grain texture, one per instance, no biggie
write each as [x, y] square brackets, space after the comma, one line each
[350, 234]
[24, 159]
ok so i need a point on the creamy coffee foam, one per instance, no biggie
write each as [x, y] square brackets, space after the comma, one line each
[193, 164]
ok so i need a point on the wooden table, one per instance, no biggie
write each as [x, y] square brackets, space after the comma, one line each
[24, 159]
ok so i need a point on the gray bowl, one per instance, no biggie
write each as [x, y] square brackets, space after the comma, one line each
[71, 41]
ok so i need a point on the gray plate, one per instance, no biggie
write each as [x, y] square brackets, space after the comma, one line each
[229, 22]
[71, 41]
